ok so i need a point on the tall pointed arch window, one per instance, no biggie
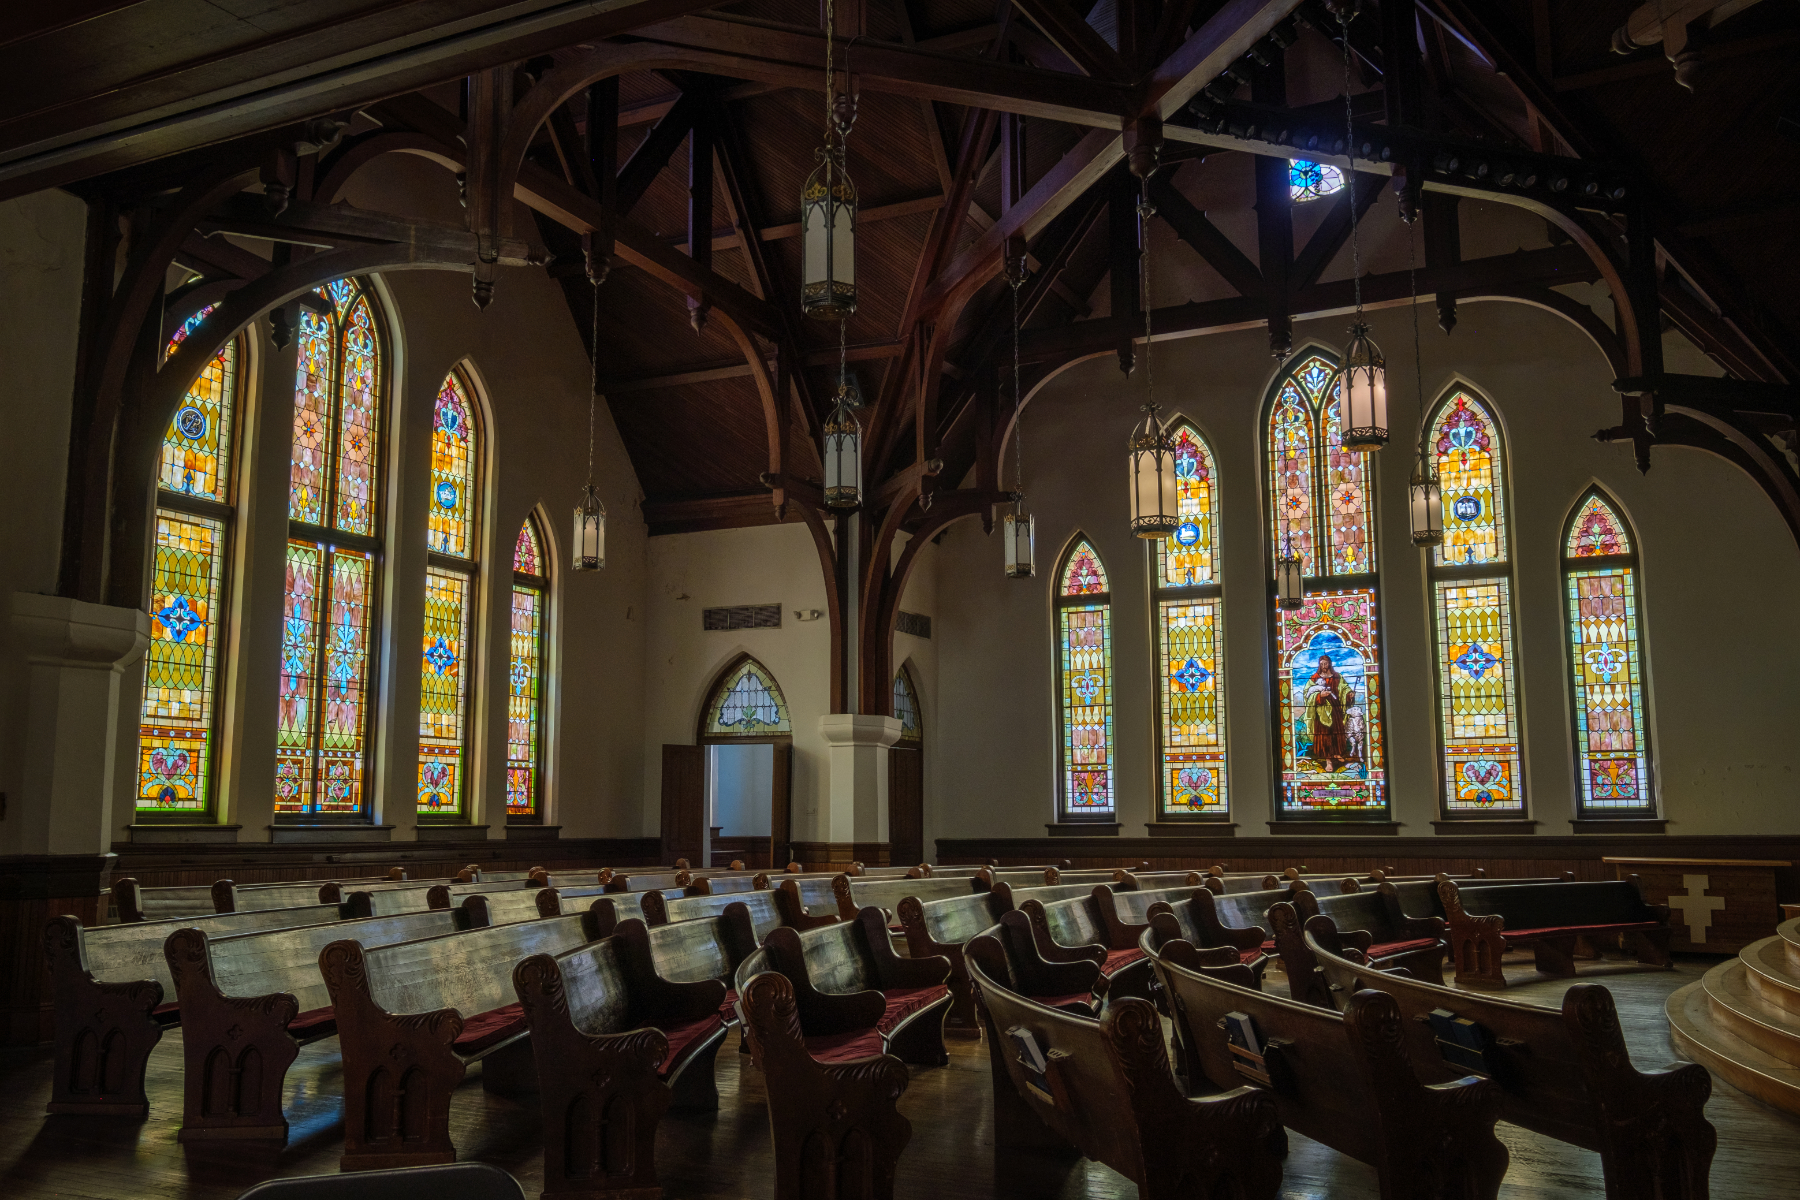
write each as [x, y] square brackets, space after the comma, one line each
[906, 708]
[1613, 764]
[525, 677]
[183, 667]
[446, 665]
[1330, 737]
[329, 632]
[1479, 726]
[1085, 684]
[1189, 623]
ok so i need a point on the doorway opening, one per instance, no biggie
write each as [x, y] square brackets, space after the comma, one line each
[726, 797]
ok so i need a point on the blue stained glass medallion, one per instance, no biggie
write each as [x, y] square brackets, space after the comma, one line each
[1477, 661]
[1192, 675]
[440, 657]
[1466, 508]
[446, 494]
[1187, 533]
[179, 618]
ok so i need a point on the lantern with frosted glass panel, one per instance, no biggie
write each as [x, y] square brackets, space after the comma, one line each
[1290, 584]
[1021, 548]
[1425, 502]
[843, 455]
[590, 531]
[828, 233]
[1153, 502]
[1363, 411]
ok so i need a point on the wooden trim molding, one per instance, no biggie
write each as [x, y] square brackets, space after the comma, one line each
[1621, 825]
[1484, 828]
[819, 855]
[1195, 829]
[1334, 828]
[1069, 829]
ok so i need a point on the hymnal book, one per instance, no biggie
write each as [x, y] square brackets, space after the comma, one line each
[1246, 1046]
[1461, 1042]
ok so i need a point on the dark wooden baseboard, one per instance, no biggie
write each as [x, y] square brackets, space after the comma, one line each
[835, 856]
[1501, 855]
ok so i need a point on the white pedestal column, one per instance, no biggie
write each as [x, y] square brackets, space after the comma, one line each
[75, 652]
[857, 794]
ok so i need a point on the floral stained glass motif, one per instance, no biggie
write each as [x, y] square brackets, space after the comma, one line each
[1193, 708]
[1189, 556]
[1466, 443]
[1345, 493]
[525, 678]
[322, 725]
[1083, 576]
[1087, 703]
[906, 708]
[312, 418]
[451, 525]
[181, 665]
[1612, 749]
[1333, 756]
[1311, 180]
[1291, 441]
[1476, 686]
[196, 449]
[443, 692]
[747, 703]
[528, 554]
[359, 425]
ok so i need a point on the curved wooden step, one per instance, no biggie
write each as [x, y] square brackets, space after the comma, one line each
[1789, 933]
[1698, 1038]
[1773, 975]
[1737, 1010]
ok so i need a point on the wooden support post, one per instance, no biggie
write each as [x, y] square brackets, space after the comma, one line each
[489, 213]
[1443, 249]
[1122, 262]
[603, 165]
[700, 209]
[1275, 219]
[1013, 176]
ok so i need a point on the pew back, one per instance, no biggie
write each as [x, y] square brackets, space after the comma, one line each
[470, 972]
[1553, 905]
[123, 953]
[137, 903]
[287, 960]
[703, 948]
[854, 895]
[759, 905]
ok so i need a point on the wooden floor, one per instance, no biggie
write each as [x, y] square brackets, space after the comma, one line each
[728, 1154]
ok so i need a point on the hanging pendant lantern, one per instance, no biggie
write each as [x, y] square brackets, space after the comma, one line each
[1153, 503]
[1290, 583]
[1021, 544]
[1426, 502]
[843, 455]
[590, 531]
[828, 204]
[1363, 415]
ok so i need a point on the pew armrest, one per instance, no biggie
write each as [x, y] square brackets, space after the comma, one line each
[919, 942]
[1205, 916]
[1121, 934]
[1048, 948]
[653, 998]
[820, 1012]
[892, 970]
[1358, 940]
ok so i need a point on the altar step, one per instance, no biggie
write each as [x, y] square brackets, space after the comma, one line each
[1742, 1019]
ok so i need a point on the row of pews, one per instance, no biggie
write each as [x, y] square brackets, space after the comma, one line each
[608, 994]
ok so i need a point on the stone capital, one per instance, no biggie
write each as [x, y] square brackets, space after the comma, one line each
[59, 631]
[859, 729]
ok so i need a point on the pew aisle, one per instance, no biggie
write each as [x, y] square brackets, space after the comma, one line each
[729, 1154]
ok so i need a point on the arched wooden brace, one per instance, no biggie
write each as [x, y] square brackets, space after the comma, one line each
[141, 425]
[125, 345]
[1734, 439]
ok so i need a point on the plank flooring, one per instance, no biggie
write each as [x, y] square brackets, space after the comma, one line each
[727, 1156]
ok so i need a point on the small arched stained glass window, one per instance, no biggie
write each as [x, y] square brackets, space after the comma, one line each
[906, 708]
[525, 692]
[1084, 672]
[450, 527]
[1606, 658]
[1083, 576]
[1311, 180]
[1597, 531]
[1188, 615]
[528, 554]
[747, 703]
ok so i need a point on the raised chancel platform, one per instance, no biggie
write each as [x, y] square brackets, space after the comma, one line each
[1742, 1019]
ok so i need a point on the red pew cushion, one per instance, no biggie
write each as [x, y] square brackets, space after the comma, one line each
[1082, 1001]
[1249, 956]
[489, 1029]
[686, 1038]
[1574, 930]
[904, 1002]
[1118, 959]
[316, 1022]
[728, 1011]
[844, 1047]
[1384, 949]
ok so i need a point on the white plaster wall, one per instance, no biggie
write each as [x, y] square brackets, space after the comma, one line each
[688, 572]
[1717, 562]
[42, 237]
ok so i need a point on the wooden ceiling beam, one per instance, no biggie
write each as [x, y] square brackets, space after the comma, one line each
[1070, 33]
[1225, 37]
[655, 151]
[1331, 234]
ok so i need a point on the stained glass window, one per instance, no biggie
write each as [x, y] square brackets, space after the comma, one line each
[1612, 745]
[525, 677]
[906, 708]
[453, 443]
[747, 702]
[333, 559]
[443, 692]
[183, 667]
[1331, 748]
[1311, 180]
[1189, 630]
[1479, 728]
[1085, 679]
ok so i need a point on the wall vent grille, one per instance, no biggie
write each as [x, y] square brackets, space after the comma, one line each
[916, 624]
[743, 616]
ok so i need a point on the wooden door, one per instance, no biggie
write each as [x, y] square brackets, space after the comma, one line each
[780, 838]
[906, 805]
[683, 804]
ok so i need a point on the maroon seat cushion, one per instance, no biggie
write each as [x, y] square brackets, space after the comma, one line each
[1268, 947]
[904, 1002]
[1118, 959]
[728, 1011]
[1386, 949]
[315, 1022]
[845, 1047]
[164, 1013]
[487, 1029]
[685, 1038]
[1082, 1002]
[1249, 956]
[1576, 930]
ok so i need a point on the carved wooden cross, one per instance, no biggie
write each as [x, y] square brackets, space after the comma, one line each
[1696, 908]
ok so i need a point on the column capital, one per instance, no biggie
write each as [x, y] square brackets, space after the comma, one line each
[67, 632]
[859, 729]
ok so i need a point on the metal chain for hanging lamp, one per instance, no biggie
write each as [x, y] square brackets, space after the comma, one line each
[1152, 458]
[1362, 409]
[590, 514]
[1021, 548]
[1425, 491]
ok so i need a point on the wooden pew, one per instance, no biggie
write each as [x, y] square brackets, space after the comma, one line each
[109, 985]
[761, 908]
[1140, 881]
[1549, 918]
[412, 1017]
[1345, 1081]
[796, 910]
[832, 1109]
[854, 991]
[619, 906]
[1106, 1089]
[1010, 957]
[249, 1001]
[886, 894]
[709, 947]
[1378, 926]
[1195, 919]
[1062, 929]
[940, 928]
[1563, 1072]
[135, 903]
